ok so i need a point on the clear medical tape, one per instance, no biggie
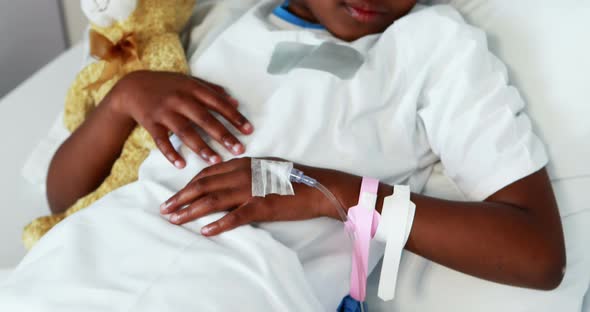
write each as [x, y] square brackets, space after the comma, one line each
[275, 177]
[271, 177]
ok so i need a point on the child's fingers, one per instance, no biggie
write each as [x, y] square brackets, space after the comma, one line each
[243, 215]
[226, 175]
[197, 189]
[183, 128]
[219, 89]
[213, 202]
[160, 136]
[223, 106]
[227, 166]
[206, 121]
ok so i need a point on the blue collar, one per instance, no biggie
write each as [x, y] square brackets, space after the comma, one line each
[283, 13]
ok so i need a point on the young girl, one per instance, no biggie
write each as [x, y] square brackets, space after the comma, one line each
[344, 89]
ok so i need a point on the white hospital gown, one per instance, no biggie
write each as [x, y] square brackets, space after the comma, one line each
[426, 90]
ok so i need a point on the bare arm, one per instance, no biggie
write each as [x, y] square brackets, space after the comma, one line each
[85, 159]
[161, 102]
[515, 237]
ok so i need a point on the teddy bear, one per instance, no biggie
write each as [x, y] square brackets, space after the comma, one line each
[125, 36]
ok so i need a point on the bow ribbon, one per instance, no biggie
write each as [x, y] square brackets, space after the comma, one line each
[116, 55]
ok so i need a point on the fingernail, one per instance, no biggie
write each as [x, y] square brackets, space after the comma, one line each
[227, 143]
[238, 149]
[178, 164]
[204, 155]
[163, 207]
[248, 127]
[214, 159]
[208, 229]
[167, 205]
[174, 218]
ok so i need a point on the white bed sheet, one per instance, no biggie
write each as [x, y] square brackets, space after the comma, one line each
[27, 113]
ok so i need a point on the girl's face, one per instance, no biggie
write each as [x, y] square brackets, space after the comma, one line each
[352, 19]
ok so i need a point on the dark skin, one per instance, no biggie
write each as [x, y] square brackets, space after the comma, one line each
[341, 18]
[514, 237]
[160, 102]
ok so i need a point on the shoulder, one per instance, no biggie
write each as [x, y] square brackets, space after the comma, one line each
[433, 35]
[430, 27]
[432, 17]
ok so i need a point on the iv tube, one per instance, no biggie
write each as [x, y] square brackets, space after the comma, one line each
[297, 176]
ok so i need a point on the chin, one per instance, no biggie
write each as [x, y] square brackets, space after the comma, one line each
[352, 35]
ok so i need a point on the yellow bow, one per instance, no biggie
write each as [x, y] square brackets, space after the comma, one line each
[116, 55]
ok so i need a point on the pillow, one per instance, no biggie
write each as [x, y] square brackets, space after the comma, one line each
[545, 47]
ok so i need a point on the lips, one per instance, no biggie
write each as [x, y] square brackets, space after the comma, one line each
[364, 12]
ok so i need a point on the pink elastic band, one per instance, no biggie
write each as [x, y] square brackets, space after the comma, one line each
[365, 220]
[370, 185]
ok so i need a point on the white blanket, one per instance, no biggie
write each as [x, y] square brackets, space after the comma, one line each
[122, 255]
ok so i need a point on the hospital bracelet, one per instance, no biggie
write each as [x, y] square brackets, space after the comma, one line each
[397, 218]
[364, 218]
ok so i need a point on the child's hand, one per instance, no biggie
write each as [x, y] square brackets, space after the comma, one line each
[228, 187]
[162, 102]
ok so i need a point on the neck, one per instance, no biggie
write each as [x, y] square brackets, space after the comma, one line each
[301, 10]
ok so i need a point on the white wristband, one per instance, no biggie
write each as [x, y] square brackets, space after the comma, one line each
[397, 218]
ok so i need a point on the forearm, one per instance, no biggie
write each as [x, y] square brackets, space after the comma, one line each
[85, 159]
[498, 240]
[493, 241]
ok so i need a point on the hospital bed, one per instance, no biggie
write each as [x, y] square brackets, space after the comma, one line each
[29, 111]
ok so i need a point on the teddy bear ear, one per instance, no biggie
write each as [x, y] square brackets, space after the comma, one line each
[104, 13]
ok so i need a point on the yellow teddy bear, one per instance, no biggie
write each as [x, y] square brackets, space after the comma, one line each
[125, 36]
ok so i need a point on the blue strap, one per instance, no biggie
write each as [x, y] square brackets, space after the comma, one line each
[348, 304]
